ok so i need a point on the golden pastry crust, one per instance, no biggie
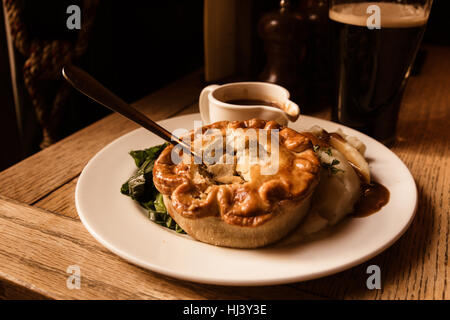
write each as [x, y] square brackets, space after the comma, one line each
[194, 194]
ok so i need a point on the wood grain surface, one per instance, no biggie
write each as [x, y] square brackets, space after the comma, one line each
[41, 235]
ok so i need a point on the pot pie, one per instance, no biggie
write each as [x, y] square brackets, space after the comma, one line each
[256, 189]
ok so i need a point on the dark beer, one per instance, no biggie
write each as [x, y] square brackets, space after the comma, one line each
[372, 66]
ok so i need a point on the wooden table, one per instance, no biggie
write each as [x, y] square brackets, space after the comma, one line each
[41, 234]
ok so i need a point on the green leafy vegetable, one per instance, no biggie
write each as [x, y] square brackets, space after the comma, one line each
[140, 187]
[140, 156]
[159, 203]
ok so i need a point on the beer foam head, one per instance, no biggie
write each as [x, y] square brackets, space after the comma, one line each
[392, 15]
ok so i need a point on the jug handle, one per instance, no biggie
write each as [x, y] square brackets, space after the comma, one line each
[203, 103]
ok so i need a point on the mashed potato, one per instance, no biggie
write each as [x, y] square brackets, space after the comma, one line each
[339, 186]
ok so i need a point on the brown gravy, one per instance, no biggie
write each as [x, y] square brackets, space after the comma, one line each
[373, 198]
[253, 102]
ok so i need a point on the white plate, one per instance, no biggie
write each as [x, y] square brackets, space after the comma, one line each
[120, 224]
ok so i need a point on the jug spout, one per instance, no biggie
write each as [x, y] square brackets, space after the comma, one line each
[291, 110]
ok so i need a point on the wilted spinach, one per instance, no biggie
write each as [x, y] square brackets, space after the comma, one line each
[140, 187]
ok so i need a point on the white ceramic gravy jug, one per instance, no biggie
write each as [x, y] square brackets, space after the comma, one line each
[214, 103]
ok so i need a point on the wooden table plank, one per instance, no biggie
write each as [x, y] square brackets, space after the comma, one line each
[39, 246]
[56, 165]
[10, 290]
[61, 200]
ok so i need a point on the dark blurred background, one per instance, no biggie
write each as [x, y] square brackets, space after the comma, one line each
[136, 47]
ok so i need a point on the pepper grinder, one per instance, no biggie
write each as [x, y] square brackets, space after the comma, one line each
[284, 35]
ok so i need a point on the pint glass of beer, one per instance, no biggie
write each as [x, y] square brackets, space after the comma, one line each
[374, 46]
